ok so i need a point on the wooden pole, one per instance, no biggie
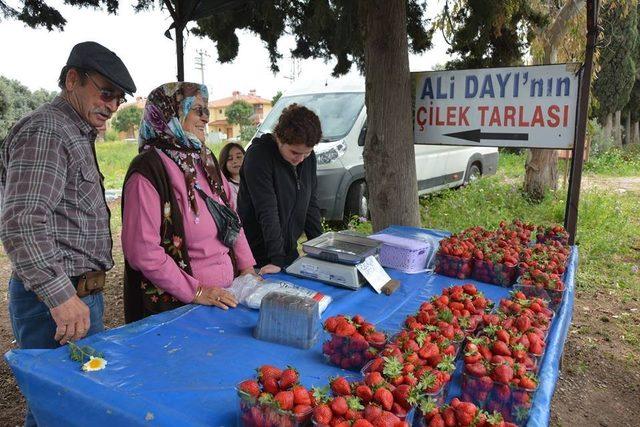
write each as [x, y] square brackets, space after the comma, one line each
[573, 196]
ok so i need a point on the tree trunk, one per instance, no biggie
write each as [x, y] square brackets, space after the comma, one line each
[617, 130]
[541, 169]
[635, 133]
[627, 129]
[389, 155]
[608, 126]
[541, 173]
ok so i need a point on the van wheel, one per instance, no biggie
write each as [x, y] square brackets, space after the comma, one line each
[357, 201]
[473, 174]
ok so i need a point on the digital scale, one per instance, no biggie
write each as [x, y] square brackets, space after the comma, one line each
[332, 258]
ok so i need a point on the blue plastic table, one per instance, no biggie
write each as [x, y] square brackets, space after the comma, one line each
[180, 367]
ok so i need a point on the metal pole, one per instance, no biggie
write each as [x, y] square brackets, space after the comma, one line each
[573, 196]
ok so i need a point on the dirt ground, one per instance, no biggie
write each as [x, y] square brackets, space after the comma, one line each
[599, 383]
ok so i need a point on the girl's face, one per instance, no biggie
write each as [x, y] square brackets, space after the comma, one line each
[234, 163]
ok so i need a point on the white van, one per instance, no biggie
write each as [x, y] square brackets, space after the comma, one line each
[342, 190]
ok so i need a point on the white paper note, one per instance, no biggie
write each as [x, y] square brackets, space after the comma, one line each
[374, 273]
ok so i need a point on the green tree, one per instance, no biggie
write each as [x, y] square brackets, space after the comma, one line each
[16, 100]
[37, 13]
[618, 54]
[276, 97]
[247, 133]
[495, 33]
[239, 113]
[127, 119]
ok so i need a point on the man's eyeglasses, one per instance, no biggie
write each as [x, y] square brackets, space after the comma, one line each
[107, 95]
[200, 110]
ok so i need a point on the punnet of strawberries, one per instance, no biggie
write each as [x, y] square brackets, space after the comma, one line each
[459, 414]
[554, 233]
[274, 398]
[353, 341]
[366, 403]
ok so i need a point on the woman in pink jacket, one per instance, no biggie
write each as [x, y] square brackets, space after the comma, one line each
[175, 251]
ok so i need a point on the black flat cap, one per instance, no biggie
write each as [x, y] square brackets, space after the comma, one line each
[93, 56]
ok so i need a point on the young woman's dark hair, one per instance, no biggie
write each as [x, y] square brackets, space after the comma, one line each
[224, 156]
[298, 125]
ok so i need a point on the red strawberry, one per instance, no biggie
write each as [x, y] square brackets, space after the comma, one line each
[302, 410]
[266, 371]
[376, 338]
[465, 412]
[345, 329]
[386, 419]
[372, 412]
[373, 378]
[449, 417]
[384, 398]
[476, 369]
[330, 324]
[251, 387]
[284, 399]
[501, 348]
[503, 373]
[362, 423]
[364, 393]
[270, 385]
[339, 405]
[288, 379]
[340, 386]
[358, 319]
[301, 395]
[322, 414]
[436, 421]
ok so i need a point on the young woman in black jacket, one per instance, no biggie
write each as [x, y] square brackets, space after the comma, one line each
[277, 200]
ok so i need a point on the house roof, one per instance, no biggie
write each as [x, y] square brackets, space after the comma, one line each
[252, 99]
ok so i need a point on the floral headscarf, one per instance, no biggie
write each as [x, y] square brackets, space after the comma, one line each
[161, 127]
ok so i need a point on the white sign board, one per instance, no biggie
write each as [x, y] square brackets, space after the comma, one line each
[531, 107]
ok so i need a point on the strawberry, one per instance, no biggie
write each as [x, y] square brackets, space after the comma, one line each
[288, 378]
[436, 421]
[301, 396]
[322, 414]
[384, 398]
[251, 387]
[503, 373]
[330, 324]
[449, 417]
[266, 371]
[270, 385]
[340, 386]
[386, 419]
[500, 348]
[362, 423]
[465, 413]
[364, 393]
[373, 379]
[345, 329]
[372, 412]
[301, 410]
[285, 400]
[339, 405]
[358, 319]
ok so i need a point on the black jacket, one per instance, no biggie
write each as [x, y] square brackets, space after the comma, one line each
[277, 202]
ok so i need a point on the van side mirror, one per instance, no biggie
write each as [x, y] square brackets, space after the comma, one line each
[362, 136]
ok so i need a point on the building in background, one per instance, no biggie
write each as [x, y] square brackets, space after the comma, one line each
[218, 120]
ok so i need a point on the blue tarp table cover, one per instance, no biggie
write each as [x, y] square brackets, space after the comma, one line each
[180, 367]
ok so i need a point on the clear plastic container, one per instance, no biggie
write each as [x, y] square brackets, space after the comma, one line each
[494, 273]
[552, 296]
[348, 353]
[514, 403]
[453, 266]
[252, 413]
[292, 320]
[407, 255]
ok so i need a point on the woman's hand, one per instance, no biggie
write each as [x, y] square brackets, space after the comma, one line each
[215, 296]
[251, 271]
[269, 269]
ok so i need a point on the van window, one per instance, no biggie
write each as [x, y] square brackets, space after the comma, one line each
[337, 112]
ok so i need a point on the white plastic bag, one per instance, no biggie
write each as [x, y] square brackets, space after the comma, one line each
[249, 291]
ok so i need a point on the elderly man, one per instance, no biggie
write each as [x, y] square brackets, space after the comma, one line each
[55, 221]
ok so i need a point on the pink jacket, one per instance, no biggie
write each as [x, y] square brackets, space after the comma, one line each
[141, 221]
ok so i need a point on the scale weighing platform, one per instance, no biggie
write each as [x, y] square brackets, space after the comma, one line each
[332, 258]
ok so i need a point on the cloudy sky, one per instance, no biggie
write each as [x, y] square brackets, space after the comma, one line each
[35, 57]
